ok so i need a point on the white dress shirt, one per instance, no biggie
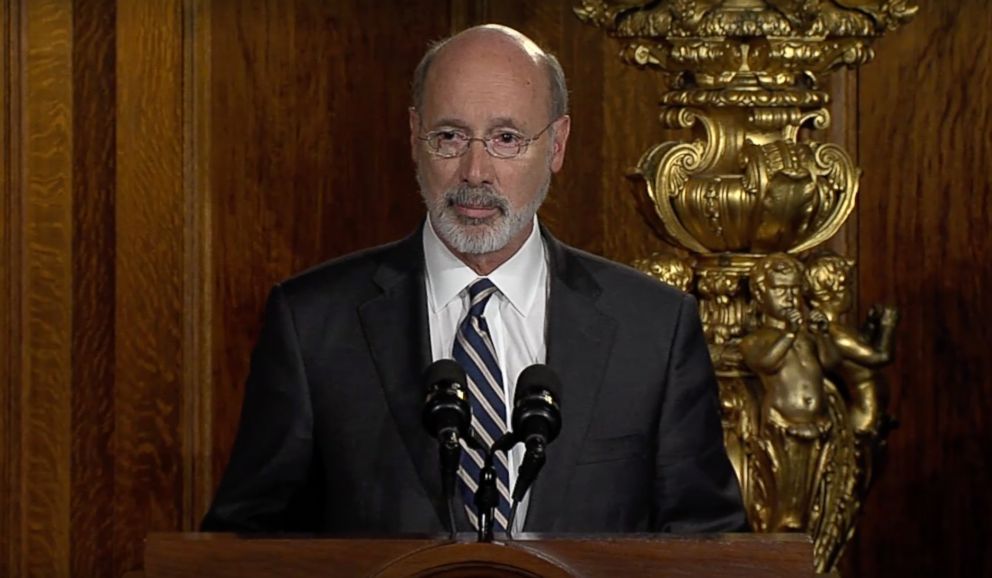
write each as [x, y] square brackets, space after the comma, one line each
[515, 315]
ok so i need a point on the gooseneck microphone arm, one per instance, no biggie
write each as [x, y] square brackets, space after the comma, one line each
[536, 422]
[447, 416]
[531, 465]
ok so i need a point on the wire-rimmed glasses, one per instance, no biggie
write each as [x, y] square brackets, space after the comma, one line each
[504, 144]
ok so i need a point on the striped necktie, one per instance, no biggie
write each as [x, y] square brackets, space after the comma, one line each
[474, 350]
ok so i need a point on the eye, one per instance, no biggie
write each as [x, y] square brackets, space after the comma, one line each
[507, 138]
[448, 135]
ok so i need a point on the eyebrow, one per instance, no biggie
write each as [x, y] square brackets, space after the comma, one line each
[499, 122]
[504, 121]
[448, 122]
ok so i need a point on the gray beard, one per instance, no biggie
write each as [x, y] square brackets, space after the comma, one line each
[479, 236]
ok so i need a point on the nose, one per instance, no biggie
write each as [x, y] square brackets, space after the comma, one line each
[476, 164]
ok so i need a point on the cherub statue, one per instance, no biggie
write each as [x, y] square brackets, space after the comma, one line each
[829, 286]
[787, 351]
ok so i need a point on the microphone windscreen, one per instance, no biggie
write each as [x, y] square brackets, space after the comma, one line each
[444, 371]
[537, 375]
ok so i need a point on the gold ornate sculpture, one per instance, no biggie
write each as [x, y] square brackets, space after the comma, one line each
[667, 268]
[803, 403]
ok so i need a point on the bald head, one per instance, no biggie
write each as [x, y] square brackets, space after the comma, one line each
[494, 45]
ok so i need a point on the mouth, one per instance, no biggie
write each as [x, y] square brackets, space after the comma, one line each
[476, 205]
[476, 212]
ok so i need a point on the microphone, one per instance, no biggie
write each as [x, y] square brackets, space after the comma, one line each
[536, 422]
[447, 416]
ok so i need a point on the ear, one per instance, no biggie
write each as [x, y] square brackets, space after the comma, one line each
[414, 131]
[561, 128]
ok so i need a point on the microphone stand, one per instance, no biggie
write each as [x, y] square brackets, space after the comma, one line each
[451, 452]
[486, 498]
[487, 494]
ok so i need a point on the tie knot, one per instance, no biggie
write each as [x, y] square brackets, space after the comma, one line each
[479, 293]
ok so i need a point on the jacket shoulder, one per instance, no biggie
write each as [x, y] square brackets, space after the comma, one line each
[353, 274]
[620, 281]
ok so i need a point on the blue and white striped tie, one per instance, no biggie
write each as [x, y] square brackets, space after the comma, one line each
[474, 350]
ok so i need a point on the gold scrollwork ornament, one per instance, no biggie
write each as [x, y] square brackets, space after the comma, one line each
[749, 197]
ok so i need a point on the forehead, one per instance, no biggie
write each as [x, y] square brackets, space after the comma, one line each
[786, 278]
[480, 83]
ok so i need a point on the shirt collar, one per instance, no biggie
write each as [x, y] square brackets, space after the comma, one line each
[517, 278]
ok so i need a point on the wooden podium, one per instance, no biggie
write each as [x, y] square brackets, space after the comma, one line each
[530, 555]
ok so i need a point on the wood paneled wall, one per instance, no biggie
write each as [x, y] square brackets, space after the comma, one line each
[93, 458]
[925, 244]
[39, 236]
[165, 162]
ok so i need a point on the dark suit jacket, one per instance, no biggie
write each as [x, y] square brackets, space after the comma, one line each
[331, 437]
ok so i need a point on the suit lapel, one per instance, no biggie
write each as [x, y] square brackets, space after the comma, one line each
[396, 327]
[579, 341]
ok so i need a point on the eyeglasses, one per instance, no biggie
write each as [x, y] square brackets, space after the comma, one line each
[506, 144]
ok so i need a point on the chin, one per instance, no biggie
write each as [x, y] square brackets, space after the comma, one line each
[474, 239]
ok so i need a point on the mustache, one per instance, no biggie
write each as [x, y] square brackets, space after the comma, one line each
[480, 197]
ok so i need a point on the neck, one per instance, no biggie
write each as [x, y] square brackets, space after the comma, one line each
[485, 263]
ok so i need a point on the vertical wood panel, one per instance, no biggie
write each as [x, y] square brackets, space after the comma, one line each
[46, 122]
[10, 371]
[926, 213]
[149, 258]
[198, 270]
[465, 13]
[92, 418]
[575, 207]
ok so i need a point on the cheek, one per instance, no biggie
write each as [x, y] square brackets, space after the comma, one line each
[435, 176]
[521, 184]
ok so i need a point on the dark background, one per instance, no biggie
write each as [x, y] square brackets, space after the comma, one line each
[165, 161]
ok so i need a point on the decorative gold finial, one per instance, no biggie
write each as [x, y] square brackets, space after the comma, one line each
[804, 404]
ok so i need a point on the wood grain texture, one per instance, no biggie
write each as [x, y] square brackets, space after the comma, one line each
[10, 310]
[198, 331]
[924, 222]
[148, 477]
[631, 128]
[47, 180]
[94, 184]
[648, 556]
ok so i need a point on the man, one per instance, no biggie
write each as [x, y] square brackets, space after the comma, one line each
[331, 436]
